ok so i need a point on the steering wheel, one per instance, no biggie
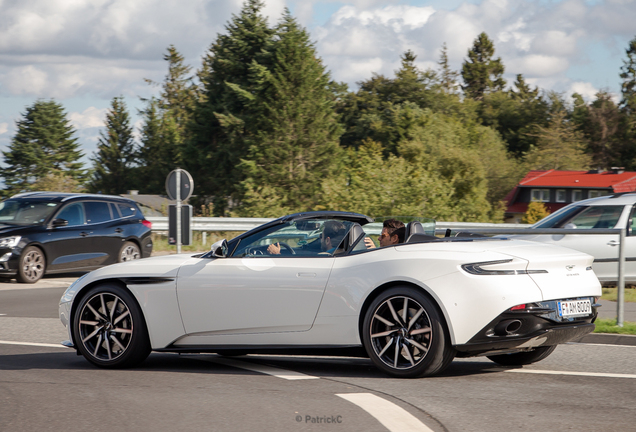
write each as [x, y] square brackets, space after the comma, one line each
[286, 246]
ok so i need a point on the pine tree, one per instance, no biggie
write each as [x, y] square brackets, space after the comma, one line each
[166, 121]
[114, 162]
[447, 76]
[216, 143]
[515, 114]
[159, 150]
[481, 73]
[295, 143]
[559, 146]
[628, 76]
[44, 143]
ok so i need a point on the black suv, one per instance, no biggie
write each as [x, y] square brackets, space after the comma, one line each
[50, 232]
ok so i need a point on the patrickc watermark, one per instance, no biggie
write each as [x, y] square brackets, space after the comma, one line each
[330, 419]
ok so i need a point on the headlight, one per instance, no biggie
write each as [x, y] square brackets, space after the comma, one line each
[9, 242]
[478, 269]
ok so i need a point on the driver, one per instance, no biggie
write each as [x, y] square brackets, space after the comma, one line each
[332, 234]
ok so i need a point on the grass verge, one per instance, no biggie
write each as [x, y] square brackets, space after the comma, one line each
[611, 294]
[200, 242]
[609, 326]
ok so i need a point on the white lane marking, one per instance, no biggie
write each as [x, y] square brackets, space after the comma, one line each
[392, 417]
[279, 373]
[33, 344]
[590, 374]
[606, 345]
[3, 314]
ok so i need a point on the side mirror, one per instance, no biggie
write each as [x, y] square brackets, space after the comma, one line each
[220, 249]
[59, 223]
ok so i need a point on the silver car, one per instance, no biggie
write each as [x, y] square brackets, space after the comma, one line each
[615, 211]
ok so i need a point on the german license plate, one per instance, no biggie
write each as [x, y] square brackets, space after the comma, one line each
[574, 308]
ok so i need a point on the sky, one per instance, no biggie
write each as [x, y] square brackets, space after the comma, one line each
[82, 53]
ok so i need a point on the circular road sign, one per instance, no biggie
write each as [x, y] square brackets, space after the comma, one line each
[186, 184]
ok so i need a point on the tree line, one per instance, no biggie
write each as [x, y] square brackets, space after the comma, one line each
[265, 131]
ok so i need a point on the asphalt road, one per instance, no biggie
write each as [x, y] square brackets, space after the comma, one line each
[44, 386]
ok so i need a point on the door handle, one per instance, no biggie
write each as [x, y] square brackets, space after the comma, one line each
[84, 234]
[119, 230]
[613, 243]
[306, 274]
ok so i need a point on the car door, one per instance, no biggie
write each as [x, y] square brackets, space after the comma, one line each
[603, 247]
[106, 230]
[257, 289]
[252, 294]
[69, 247]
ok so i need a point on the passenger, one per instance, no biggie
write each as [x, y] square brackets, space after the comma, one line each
[393, 232]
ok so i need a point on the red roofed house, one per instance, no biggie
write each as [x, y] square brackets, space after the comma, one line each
[557, 189]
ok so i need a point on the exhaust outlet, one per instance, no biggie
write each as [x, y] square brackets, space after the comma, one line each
[508, 327]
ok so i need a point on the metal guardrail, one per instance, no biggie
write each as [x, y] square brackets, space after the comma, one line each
[246, 224]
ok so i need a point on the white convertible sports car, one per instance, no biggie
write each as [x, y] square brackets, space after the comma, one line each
[411, 308]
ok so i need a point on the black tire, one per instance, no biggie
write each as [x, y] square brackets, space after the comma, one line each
[109, 329]
[129, 252]
[405, 336]
[523, 358]
[31, 266]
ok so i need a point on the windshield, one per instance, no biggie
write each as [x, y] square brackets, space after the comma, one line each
[25, 212]
[583, 217]
[300, 237]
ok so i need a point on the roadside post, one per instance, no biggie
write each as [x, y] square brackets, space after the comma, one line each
[179, 186]
[620, 289]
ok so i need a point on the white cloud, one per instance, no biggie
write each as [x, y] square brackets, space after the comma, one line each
[89, 118]
[585, 89]
[104, 48]
[542, 40]
[535, 65]
[4, 128]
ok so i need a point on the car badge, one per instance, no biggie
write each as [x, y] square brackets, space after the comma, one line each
[569, 267]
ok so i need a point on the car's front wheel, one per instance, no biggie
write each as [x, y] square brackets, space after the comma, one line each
[405, 336]
[523, 358]
[109, 329]
[32, 265]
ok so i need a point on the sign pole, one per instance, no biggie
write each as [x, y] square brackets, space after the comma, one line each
[178, 174]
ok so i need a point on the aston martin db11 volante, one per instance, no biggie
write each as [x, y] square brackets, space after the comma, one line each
[309, 283]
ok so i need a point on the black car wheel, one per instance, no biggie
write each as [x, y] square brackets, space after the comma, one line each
[129, 251]
[404, 335]
[523, 358]
[109, 329]
[31, 266]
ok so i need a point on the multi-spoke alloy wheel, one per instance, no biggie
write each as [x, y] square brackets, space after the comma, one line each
[403, 334]
[31, 266]
[109, 329]
[129, 251]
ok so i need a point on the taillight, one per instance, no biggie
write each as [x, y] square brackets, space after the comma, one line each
[518, 307]
[146, 223]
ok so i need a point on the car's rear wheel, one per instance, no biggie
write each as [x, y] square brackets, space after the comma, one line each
[405, 336]
[523, 358]
[129, 251]
[31, 266]
[109, 329]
